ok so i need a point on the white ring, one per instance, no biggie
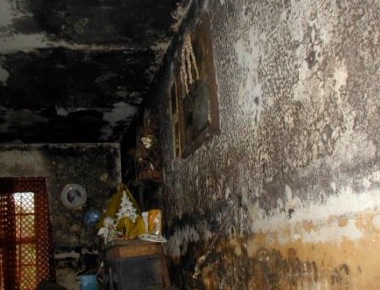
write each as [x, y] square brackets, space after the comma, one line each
[73, 196]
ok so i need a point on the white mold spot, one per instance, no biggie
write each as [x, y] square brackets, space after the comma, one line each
[318, 213]
[340, 76]
[332, 232]
[249, 52]
[4, 75]
[22, 42]
[227, 193]
[6, 13]
[288, 192]
[61, 111]
[177, 244]
[280, 203]
[376, 221]
[120, 113]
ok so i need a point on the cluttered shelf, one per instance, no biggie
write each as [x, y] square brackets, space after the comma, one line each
[148, 156]
[132, 252]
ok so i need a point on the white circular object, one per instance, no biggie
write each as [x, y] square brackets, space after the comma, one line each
[73, 196]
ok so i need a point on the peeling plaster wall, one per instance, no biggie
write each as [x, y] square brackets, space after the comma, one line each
[287, 195]
[94, 166]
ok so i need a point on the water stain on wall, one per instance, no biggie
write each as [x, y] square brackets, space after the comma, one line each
[230, 266]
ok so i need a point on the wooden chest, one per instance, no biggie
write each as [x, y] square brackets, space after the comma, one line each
[135, 265]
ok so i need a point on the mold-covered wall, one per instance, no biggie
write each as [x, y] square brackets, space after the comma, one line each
[96, 167]
[77, 71]
[286, 196]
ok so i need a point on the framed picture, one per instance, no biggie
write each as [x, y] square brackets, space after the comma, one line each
[193, 92]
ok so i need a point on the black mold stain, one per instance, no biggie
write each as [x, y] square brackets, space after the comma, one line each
[94, 55]
[268, 269]
[70, 78]
[48, 83]
[311, 59]
[326, 134]
[96, 22]
[25, 25]
[340, 275]
[290, 213]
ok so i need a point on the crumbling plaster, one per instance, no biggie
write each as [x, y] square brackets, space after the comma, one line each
[286, 195]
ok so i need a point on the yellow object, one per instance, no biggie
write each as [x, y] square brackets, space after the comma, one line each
[155, 222]
[130, 229]
[114, 205]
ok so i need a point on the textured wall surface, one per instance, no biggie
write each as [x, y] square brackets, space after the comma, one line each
[94, 166]
[287, 195]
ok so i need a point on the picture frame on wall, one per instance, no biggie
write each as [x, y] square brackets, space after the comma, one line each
[193, 92]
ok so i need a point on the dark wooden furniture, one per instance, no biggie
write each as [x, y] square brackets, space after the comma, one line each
[135, 265]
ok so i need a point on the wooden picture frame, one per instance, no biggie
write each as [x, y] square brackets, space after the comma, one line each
[194, 104]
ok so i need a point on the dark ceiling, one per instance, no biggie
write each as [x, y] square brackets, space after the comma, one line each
[78, 70]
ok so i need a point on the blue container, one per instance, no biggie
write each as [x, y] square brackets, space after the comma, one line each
[88, 282]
